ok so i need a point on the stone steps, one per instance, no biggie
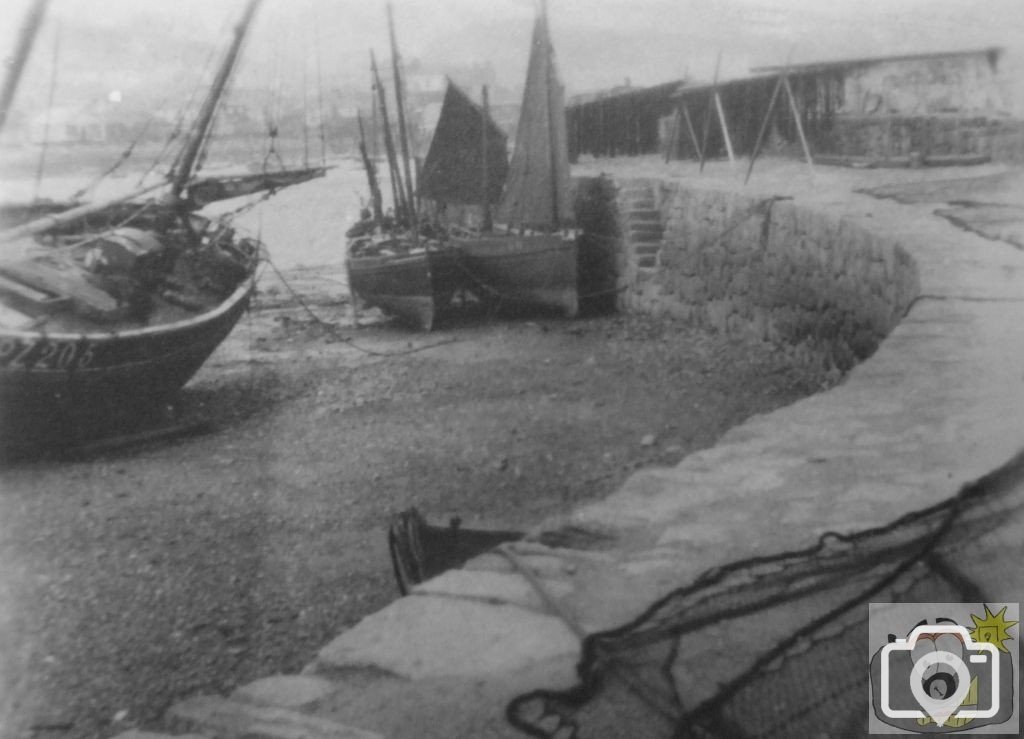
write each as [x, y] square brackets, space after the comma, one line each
[643, 226]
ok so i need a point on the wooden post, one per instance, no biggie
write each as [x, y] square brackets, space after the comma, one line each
[799, 124]
[764, 128]
[689, 125]
[707, 113]
[488, 224]
[725, 129]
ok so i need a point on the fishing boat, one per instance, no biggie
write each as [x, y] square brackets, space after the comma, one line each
[396, 263]
[532, 260]
[94, 323]
[467, 163]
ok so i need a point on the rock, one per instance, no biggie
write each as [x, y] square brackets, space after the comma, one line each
[297, 692]
[427, 636]
[648, 440]
[233, 720]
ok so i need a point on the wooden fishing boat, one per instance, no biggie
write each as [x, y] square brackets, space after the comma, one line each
[420, 551]
[533, 260]
[95, 322]
[397, 263]
[414, 283]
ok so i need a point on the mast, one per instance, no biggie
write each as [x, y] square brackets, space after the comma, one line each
[552, 131]
[39, 225]
[488, 224]
[371, 175]
[29, 29]
[183, 171]
[389, 143]
[402, 132]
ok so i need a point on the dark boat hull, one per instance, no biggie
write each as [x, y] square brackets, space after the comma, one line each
[537, 270]
[415, 288]
[54, 385]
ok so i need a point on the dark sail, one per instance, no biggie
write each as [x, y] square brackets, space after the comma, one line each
[537, 192]
[453, 171]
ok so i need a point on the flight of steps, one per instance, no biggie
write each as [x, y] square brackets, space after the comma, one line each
[644, 229]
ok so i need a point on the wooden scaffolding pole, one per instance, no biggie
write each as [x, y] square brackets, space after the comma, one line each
[799, 123]
[707, 113]
[689, 125]
[764, 128]
[725, 129]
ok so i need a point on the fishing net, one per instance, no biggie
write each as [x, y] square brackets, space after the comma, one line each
[777, 645]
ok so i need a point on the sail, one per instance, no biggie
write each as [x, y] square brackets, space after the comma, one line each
[537, 191]
[453, 171]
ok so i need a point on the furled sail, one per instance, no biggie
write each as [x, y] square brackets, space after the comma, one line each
[537, 191]
[453, 171]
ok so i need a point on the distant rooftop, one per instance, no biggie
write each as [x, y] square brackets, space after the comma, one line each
[994, 52]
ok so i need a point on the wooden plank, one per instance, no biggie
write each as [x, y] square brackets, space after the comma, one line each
[61, 283]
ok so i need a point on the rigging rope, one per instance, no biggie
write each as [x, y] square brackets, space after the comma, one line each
[49, 109]
[319, 87]
[333, 328]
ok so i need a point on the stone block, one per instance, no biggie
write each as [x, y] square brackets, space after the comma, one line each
[136, 734]
[227, 719]
[420, 637]
[297, 692]
[493, 587]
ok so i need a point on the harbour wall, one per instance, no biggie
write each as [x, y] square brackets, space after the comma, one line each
[824, 289]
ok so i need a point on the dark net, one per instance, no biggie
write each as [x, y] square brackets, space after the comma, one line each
[778, 646]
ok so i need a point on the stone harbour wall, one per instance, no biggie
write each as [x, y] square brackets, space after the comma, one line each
[824, 289]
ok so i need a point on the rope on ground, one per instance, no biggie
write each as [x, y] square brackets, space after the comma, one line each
[334, 329]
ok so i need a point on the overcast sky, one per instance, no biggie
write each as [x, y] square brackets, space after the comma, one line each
[600, 43]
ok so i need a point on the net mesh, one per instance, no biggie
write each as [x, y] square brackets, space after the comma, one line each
[777, 646]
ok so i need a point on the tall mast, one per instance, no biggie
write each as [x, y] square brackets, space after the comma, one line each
[555, 215]
[389, 142]
[183, 171]
[26, 37]
[487, 224]
[371, 176]
[402, 132]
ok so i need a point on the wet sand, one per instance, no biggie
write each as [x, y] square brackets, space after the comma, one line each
[144, 575]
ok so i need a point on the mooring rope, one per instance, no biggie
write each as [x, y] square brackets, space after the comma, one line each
[334, 329]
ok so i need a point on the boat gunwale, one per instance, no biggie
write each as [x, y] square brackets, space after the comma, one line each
[240, 293]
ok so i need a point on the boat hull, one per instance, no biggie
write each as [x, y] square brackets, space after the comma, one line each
[535, 270]
[56, 386]
[415, 288]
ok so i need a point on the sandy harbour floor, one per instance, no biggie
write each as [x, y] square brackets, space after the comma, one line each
[136, 577]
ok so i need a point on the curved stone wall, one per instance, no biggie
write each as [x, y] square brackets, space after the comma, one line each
[823, 288]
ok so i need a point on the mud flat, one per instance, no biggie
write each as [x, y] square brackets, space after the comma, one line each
[139, 577]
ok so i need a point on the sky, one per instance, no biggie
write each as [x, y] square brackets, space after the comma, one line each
[163, 48]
